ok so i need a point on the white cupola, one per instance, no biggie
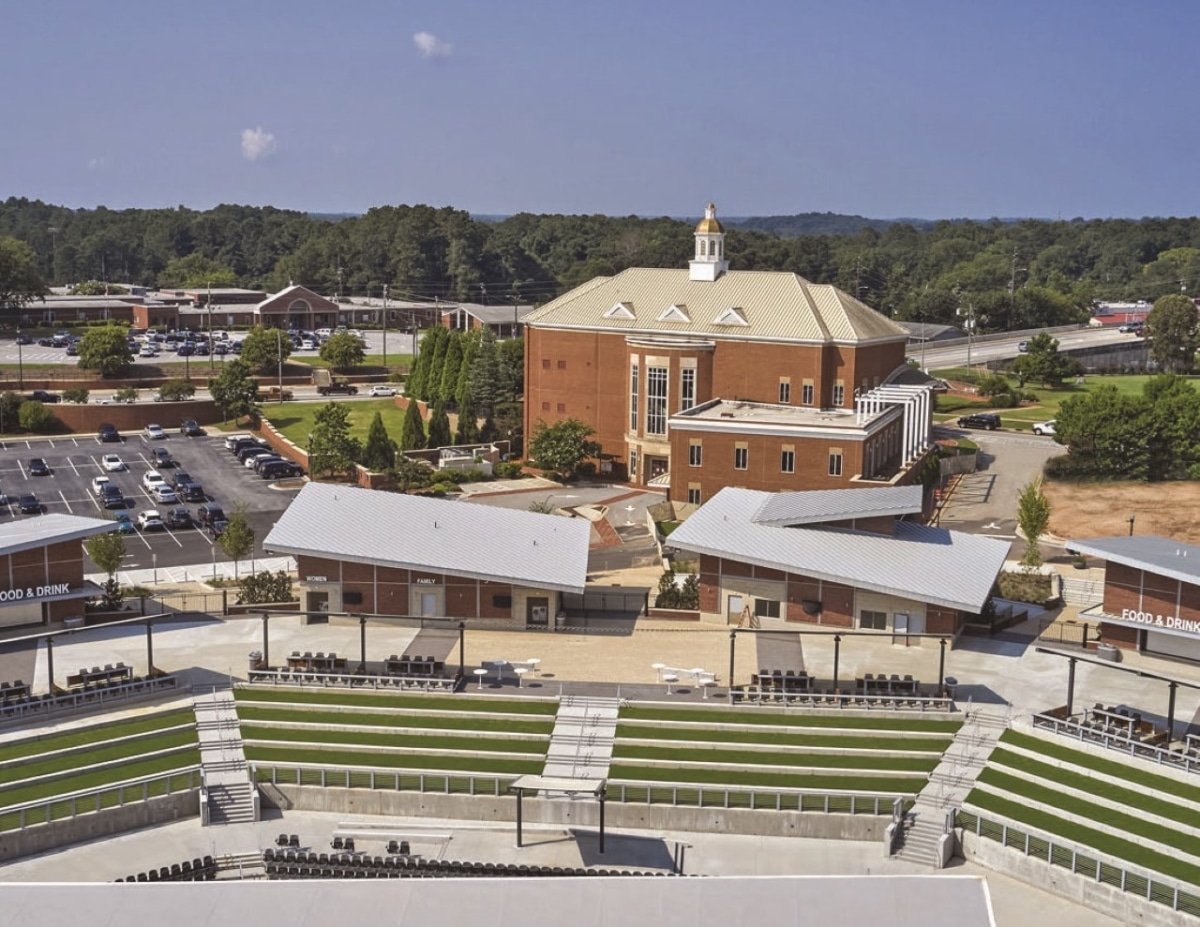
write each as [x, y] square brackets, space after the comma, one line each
[709, 261]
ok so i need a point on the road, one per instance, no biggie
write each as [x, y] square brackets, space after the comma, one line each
[936, 357]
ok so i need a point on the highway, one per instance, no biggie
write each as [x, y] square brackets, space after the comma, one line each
[940, 357]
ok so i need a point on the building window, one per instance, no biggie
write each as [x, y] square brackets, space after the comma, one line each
[693, 493]
[703, 248]
[633, 464]
[807, 394]
[741, 457]
[633, 398]
[545, 363]
[695, 454]
[687, 388]
[562, 365]
[562, 407]
[766, 608]
[785, 390]
[835, 462]
[787, 461]
[839, 393]
[501, 601]
[872, 621]
[545, 407]
[656, 400]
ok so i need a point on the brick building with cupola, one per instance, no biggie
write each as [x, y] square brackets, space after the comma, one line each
[704, 377]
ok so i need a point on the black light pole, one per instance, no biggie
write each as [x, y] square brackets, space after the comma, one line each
[20, 363]
[942, 669]
[1070, 686]
[732, 650]
[462, 643]
[266, 646]
[1131, 518]
[837, 647]
[1170, 715]
[212, 358]
[385, 321]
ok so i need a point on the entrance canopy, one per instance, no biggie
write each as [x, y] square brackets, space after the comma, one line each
[558, 784]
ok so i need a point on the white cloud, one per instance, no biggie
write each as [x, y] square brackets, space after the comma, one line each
[257, 143]
[430, 46]
[95, 164]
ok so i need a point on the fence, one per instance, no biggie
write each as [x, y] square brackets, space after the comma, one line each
[206, 602]
[1187, 760]
[1129, 879]
[50, 704]
[588, 603]
[626, 792]
[1066, 632]
[90, 801]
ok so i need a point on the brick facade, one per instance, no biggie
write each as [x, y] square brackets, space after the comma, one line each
[1127, 587]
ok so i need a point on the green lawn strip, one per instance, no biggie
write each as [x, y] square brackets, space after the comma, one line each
[1084, 836]
[734, 778]
[1143, 779]
[296, 419]
[431, 721]
[29, 769]
[788, 739]
[1138, 799]
[432, 762]
[327, 737]
[430, 703]
[93, 779]
[369, 360]
[1082, 808]
[82, 737]
[853, 722]
[751, 758]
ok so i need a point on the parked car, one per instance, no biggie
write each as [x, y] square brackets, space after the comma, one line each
[190, 428]
[148, 350]
[152, 478]
[249, 453]
[112, 497]
[186, 350]
[150, 520]
[217, 527]
[1044, 428]
[164, 494]
[98, 484]
[249, 444]
[40, 395]
[207, 514]
[252, 462]
[154, 433]
[986, 420]
[108, 433]
[280, 469]
[178, 518]
[192, 492]
[231, 440]
[24, 339]
[73, 349]
[29, 504]
[162, 458]
[180, 478]
[124, 522]
[380, 389]
[1132, 328]
[37, 467]
[112, 463]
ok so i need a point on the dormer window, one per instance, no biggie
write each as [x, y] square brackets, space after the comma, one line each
[675, 314]
[731, 316]
[620, 311]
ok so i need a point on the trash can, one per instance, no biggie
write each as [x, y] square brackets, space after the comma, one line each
[256, 660]
[1108, 652]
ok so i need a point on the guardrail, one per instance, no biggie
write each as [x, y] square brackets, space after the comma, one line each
[1085, 862]
[1177, 759]
[90, 801]
[51, 704]
[628, 792]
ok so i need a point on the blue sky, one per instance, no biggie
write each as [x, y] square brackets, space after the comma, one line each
[886, 108]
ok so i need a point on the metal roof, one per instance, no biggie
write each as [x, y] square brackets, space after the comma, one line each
[1152, 553]
[775, 306]
[596, 901]
[420, 533]
[488, 315]
[933, 565]
[32, 533]
[785, 509]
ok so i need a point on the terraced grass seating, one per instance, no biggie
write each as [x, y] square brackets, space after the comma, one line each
[190, 870]
[445, 705]
[1117, 813]
[88, 768]
[292, 864]
[53, 703]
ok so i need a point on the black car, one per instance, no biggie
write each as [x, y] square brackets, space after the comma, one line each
[29, 504]
[192, 492]
[24, 339]
[254, 450]
[207, 514]
[179, 479]
[260, 462]
[217, 526]
[46, 342]
[986, 420]
[108, 433]
[37, 467]
[344, 389]
[178, 518]
[112, 497]
[40, 395]
[243, 444]
[190, 428]
[162, 458]
[280, 469]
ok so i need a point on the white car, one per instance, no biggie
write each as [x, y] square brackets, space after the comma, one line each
[155, 432]
[308, 345]
[248, 463]
[151, 479]
[324, 332]
[98, 484]
[148, 350]
[112, 463]
[150, 520]
[380, 390]
[231, 440]
[1044, 428]
[164, 494]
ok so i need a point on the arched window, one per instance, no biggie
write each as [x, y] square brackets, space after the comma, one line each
[703, 245]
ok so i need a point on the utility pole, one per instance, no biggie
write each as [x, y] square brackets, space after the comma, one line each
[212, 357]
[385, 321]
[1012, 292]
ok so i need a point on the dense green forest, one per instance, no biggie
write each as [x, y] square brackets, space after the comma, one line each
[1013, 274]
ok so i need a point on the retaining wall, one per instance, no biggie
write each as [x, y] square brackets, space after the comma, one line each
[130, 417]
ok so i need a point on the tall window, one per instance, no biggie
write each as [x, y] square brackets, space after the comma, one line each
[656, 400]
[694, 493]
[741, 457]
[695, 454]
[839, 394]
[835, 462]
[807, 396]
[633, 398]
[633, 465]
[872, 621]
[766, 608]
[785, 390]
[687, 388]
[787, 461]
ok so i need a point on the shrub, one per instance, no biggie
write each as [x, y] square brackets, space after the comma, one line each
[1006, 400]
[508, 470]
[75, 394]
[266, 586]
[992, 384]
[35, 417]
[453, 477]
[126, 394]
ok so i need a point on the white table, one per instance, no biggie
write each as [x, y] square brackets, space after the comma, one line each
[669, 679]
[533, 663]
[520, 671]
[658, 668]
[479, 674]
[708, 684]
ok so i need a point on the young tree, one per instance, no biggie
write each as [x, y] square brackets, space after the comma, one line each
[343, 351]
[1173, 327]
[234, 390]
[511, 366]
[485, 375]
[237, 540]
[451, 367]
[176, 390]
[439, 427]
[105, 351]
[468, 424]
[410, 474]
[77, 394]
[196, 271]
[379, 453]
[20, 280]
[330, 447]
[264, 348]
[10, 410]
[414, 387]
[412, 432]
[437, 361]
[1033, 518]
[470, 352]
[1042, 363]
[563, 446]
[107, 551]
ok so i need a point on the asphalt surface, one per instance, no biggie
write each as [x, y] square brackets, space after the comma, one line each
[75, 461]
[936, 357]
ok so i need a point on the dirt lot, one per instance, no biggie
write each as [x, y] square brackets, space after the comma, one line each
[1101, 509]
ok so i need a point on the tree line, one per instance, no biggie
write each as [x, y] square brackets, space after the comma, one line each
[1010, 275]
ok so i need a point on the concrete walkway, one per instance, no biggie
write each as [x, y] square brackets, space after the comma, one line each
[582, 740]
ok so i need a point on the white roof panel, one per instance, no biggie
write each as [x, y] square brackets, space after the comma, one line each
[438, 535]
[784, 509]
[1154, 554]
[29, 533]
[933, 565]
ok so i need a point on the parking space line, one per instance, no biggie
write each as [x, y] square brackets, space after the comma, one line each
[24, 475]
[171, 534]
[70, 510]
[73, 467]
[143, 540]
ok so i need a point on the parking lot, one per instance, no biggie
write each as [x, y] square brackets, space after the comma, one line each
[74, 461]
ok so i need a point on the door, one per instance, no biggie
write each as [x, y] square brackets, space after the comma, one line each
[429, 602]
[318, 601]
[900, 628]
[733, 613]
[537, 612]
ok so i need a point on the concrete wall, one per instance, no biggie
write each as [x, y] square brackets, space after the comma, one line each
[38, 838]
[85, 419]
[586, 813]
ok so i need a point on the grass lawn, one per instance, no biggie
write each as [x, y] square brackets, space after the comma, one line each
[427, 762]
[34, 767]
[769, 780]
[296, 419]
[91, 735]
[771, 738]
[371, 360]
[750, 759]
[429, 721]
[746, 718]
[431, 703]
[377, 739]
[95, 779]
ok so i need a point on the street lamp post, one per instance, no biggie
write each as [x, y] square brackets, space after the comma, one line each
[279, 355]
[212, 358]
[385, 321]
[20, 363]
